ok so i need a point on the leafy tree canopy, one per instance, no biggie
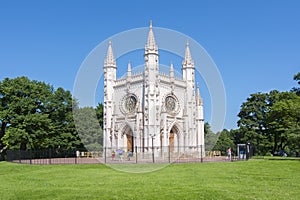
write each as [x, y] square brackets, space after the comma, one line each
[88, 127]
[297, 89]
[33, 115]
[210, 137]
[270, 121]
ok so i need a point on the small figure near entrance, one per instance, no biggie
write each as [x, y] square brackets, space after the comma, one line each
[113, 155]
[229, 153]
[129, 154]
[120, 152]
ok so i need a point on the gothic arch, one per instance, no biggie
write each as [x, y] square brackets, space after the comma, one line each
[127, 136]
[125, 127]
[176, 126]
[174, 136]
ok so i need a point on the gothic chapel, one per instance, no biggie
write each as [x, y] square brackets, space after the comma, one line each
[150, 110]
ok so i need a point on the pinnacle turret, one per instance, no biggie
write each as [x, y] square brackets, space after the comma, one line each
[171, 70]
[198, 97]
[151, 44]
[129, 69]
[110, 59]
[188, 61]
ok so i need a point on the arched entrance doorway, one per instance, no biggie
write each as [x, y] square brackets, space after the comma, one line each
[130, 145]
[171, 141]
[173, 138]
[129, 139]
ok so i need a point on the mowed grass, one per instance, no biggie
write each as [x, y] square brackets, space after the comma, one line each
[254, 179]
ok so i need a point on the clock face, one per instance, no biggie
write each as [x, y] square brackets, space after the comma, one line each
[130, 103]
[170, 104]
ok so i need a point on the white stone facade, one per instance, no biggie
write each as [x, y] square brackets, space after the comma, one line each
[151, 110]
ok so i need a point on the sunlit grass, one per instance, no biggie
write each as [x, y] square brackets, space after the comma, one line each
[254, 179]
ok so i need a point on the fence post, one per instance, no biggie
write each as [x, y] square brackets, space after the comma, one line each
[136, 155]
[50, 156]
[76, 153]
[152, 149]
[30, 155]
[169, 154]
[104, 154]
[201, 153]
[20, 156]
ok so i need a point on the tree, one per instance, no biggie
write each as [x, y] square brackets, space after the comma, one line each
[270, 122]
[210, 137]
[60, 110]
[295, 89]
[225, 140]
[297, 77]
[35, 116]
[284, 120]
[88, 127]
[252, 123]
[99, 113]
[21, 115]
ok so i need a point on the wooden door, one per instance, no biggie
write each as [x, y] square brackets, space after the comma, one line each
[171, 141]
[129, 142]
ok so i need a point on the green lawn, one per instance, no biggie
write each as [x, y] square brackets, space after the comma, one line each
[254, 179]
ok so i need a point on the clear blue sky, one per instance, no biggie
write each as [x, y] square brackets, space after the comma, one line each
[255, 44]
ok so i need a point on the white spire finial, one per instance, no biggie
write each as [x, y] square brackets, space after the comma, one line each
[151, 44]
[110, 59]
[171, 70]
[129, 69]
[188, 57]
[198, 97]
[129, 66]
[171, 66]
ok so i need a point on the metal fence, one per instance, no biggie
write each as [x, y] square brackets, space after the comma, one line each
[165, 154]
[114, 156]
[155, 154]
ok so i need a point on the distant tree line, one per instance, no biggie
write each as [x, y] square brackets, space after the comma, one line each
[270, 122]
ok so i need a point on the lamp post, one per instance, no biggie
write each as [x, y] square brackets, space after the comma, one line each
[152, 148]
[248, 150]
[135, 150]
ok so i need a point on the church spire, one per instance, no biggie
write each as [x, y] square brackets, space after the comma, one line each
[188, 61]
[129, 69]
[110, 59]
[151, 44]
[198, 97]
[171, 70]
